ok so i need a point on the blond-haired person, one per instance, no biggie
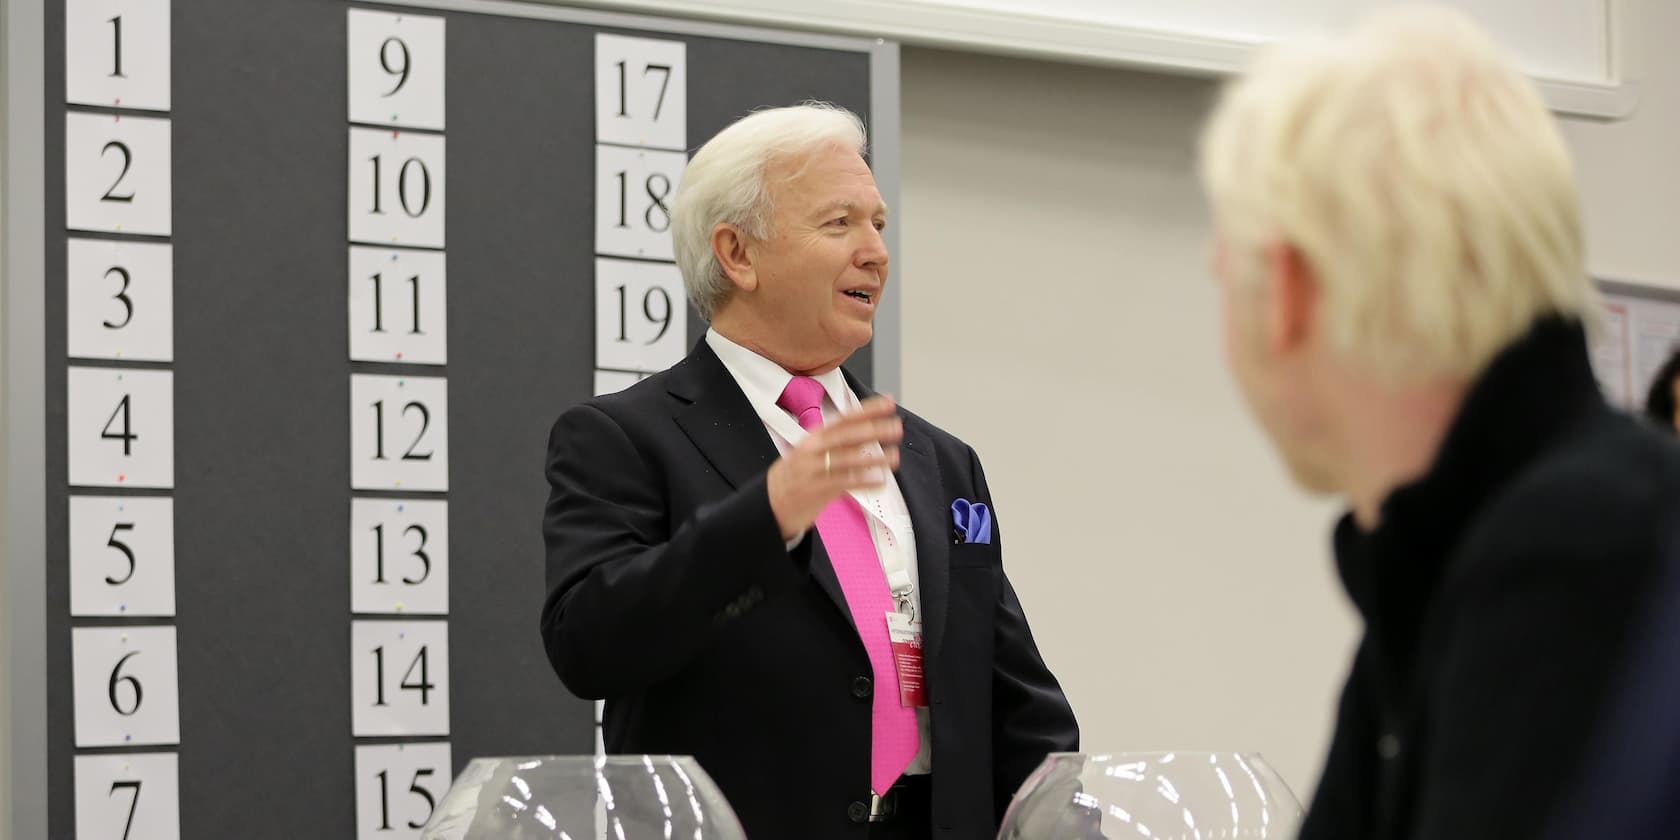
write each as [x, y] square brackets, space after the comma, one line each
[1398, 249]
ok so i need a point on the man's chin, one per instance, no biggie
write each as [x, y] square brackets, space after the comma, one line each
[1310, 478]
[855, 334]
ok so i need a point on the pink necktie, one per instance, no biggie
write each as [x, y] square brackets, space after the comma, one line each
[845, 533]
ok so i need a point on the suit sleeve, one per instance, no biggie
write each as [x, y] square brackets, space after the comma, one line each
[633, 597]
[1031, 717]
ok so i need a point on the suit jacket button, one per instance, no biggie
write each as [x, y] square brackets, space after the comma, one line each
[1388, 746]
[862, 688]
[858, 812]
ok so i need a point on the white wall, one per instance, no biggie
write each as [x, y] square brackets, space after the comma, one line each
[1058, 315]
[1630, 171]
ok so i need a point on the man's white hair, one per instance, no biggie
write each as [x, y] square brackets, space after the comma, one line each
[1420, 176]
[725, 182]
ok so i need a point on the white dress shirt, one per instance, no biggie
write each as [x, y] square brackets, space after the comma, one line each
[889, 517]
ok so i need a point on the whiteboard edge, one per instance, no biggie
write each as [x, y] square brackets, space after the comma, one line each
[1031, 36]
[887, 160]
[23, 639]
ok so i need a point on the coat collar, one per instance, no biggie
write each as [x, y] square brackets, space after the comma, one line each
[1532, 395]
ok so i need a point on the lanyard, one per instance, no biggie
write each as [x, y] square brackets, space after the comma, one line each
[898, 580]
[893, 562]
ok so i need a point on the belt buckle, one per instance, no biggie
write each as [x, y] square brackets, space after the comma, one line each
[882, 808]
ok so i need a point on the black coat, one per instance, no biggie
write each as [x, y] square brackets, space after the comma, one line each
[1501, 594]
[673, 596]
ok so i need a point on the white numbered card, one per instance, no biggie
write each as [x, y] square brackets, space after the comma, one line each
[1611, 354]
[396, 188]
[397, 306]
[399, 678]
[633, 190]
[121, 427]
[641, 316]
[125, 688]
[117, 173]
[122, 556]
[399, 432]
[397, 788]
[396, 69]
[399, 556]
[613, 381]
[641, 92]
[120, 300]
[116, 53]
[128, 796]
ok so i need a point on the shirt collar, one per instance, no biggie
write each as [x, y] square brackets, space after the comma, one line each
[763, 380]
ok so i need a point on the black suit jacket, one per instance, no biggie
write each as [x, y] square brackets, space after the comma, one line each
[673, 597]
[1502, 596]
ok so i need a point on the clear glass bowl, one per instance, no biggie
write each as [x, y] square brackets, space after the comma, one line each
[583, 798]
[1162, 796]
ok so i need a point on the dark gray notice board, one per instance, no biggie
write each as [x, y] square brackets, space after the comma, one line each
[260, 366]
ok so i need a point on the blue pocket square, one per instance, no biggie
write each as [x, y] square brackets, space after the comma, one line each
[973, 522]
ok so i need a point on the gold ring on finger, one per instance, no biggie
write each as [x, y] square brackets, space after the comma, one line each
[828, 463]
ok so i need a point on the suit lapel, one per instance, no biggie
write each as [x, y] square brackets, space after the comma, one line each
[718, 418]
[919, 481]
[721, 422]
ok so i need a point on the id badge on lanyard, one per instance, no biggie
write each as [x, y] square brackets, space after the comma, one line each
[904, 633]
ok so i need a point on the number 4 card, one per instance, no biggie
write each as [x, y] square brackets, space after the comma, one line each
[121, 427]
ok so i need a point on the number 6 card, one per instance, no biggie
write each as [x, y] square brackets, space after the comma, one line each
[125, 688]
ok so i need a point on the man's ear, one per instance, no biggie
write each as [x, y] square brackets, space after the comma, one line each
[1292, 297]
[734, 252]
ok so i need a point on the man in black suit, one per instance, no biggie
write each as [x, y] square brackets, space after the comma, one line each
[1398, 248]
[734, 569]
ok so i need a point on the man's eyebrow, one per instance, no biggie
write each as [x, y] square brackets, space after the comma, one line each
[847, 205]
